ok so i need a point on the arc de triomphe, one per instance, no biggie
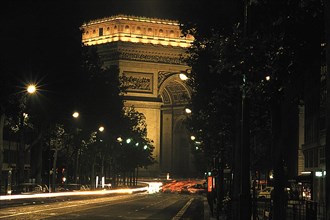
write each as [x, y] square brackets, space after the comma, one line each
[149, 52]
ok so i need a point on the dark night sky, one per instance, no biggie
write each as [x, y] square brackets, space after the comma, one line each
[93, 9]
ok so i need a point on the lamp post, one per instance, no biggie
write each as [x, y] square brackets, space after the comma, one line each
[30, 89]
[75, 115]
[327, 148]
[245, 198]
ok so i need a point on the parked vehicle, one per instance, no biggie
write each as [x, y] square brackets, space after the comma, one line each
[70, 187]
[265, 193]
[27, 188]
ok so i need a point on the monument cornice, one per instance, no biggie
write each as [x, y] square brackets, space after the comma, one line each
[136, 30]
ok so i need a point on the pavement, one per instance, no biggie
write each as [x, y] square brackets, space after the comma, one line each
[207, 212]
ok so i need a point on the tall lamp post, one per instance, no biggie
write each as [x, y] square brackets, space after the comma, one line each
[327, 147]
[75, 115]
[30, 89]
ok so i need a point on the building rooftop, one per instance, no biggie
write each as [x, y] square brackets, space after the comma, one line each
[135, 29]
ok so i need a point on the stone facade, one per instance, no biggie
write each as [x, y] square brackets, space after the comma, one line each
[149, 53]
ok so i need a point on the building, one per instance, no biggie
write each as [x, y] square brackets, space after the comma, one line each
[149, 53]
[313, 147]
[9, 169]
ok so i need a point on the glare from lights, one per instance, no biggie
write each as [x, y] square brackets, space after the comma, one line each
[145, 147]
[119, 139]
[101, 129]
[192, 137]
[137, 144]
[183, 76]
[75, 114]
[128, 140]
[267, 78]
[31, 89]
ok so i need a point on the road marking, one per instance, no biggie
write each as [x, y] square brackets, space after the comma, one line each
[182, 211]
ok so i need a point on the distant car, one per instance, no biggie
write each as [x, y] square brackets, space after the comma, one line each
[70, 187]
[265, 193]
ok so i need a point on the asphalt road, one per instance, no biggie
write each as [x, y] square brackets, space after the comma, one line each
[132, 206]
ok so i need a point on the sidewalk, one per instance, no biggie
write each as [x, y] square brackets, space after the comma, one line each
[208, 214]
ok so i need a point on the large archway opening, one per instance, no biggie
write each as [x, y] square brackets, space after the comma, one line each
[175, 153]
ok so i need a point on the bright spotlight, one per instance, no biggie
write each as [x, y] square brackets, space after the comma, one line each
[183, 76]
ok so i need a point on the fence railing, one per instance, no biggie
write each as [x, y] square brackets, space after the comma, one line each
[295, 210]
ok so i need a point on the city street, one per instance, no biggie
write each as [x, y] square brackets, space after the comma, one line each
[132, 206]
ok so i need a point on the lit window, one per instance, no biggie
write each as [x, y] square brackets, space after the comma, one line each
[138, 30]
[171, 33]
[127, 28]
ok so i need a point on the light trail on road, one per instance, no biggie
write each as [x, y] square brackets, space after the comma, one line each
[75, 193]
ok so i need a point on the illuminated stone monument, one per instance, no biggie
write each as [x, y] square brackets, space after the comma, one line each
[149, 52]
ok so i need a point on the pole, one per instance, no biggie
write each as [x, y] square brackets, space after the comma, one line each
[245, 197]
[327, 147]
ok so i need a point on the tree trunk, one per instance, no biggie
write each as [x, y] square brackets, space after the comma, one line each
[236, 165]
[93, 183]
[36, 162]
[2, 123]
[76, 166]
[279, 127]
[137, 175]
[54, 170]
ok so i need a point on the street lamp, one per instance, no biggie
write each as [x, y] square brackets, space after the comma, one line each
[188, 110]
[31, 88]
[101, 128]
[75, 114]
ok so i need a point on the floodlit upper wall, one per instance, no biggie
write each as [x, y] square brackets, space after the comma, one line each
[135, 29]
